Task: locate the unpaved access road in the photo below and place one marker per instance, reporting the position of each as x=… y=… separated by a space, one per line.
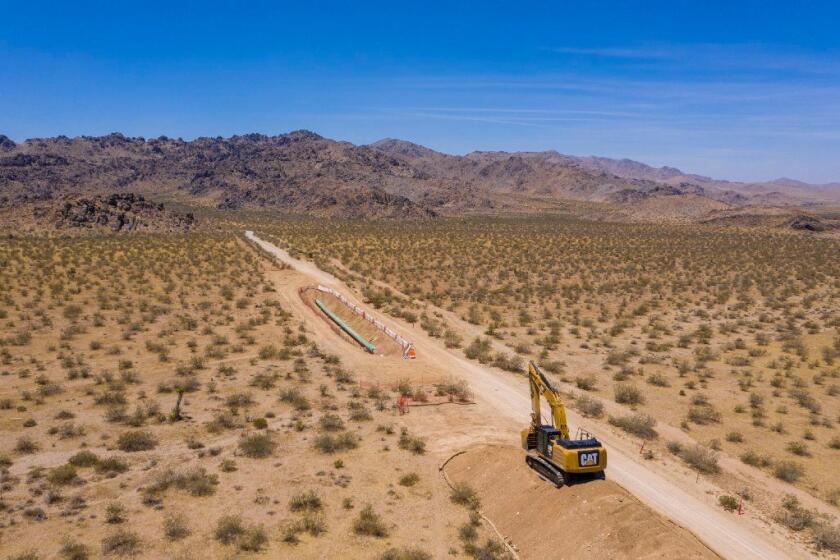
x=728 y=535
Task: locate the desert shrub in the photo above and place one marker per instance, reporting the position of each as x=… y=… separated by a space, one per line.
x=792 y=515
x=72 y=550
x=229 y=528
x=638 y=424
x=84 y=459
x=457 y=389
x=479 y=349
x=735 y=437
x=452 y=339
x=798 y=448
x=411 y=443
x=260 y=423
x=463 y=494
x=492 y=550
x=405 y=554
x=196 y=481
x=294 y=397
x=403 y=387
x=729 y=503
x=333 y=443
x=63 y=475
x=175 y=526
x=467 y=533
x=369 y=523
x=27 y=555
x=121 y=543
x=586 y=383
x=222 y=421
x=137 y=440
x=68 y=430
x=115 y=513
x=253 y=539
x=826 y=537
x=331 y=423
x=306 y=501
x=358 y=412
x=700 y=458
x=703 y=415
x=257 y=446
x=111 y=466
x=26 y=445
x=788 y=471
x=590 y=407
x=628 y=394
x=409 y=479
x=658 y=380
x=556 y=367
x=264 y=381
x=511 y=362
x=311 y=522
x=752 y=458
x=239 y=400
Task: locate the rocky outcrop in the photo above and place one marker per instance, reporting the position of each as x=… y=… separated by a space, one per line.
x=114 y=213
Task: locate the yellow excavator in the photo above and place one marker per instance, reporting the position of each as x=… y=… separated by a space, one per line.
x=550 y=451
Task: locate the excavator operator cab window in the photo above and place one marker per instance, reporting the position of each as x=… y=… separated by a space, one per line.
x=547 y=437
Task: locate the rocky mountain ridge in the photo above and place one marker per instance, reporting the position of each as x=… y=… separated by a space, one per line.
x=303 y=172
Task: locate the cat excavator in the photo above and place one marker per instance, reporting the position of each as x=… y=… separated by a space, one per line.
x=549 y=450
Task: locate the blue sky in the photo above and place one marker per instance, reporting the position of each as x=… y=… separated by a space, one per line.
x=741 y=90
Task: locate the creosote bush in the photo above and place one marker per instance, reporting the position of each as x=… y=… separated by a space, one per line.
x=369 y=523
x=638 y=424
x=121 y=543
x=463 y=494
x=333 y=443
x=405 y=554
x=257 y=446
x=787 y=470
x=409 y=479
x=628 y=394
x=137 y=440
x=306 y=501
x=589 y=406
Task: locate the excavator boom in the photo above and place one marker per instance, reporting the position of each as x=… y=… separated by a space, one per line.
x=541 y=386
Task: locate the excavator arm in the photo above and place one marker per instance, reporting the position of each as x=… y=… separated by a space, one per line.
x=541 y=386
x=548 y=449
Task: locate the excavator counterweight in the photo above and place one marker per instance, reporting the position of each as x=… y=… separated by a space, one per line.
x=550 y=450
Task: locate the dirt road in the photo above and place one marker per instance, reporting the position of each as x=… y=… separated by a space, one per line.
x=728 y=535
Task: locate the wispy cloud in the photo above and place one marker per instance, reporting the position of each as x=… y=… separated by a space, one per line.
x=644 y=53
x=720 y=57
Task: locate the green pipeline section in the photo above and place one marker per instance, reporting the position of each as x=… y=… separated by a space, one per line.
x=346 y=328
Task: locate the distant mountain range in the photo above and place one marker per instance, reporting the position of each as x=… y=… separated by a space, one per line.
x=303 y=172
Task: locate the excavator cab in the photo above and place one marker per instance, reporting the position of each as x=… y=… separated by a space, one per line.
x=550 y=449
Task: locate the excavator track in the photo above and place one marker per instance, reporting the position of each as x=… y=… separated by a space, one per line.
x=546 y=470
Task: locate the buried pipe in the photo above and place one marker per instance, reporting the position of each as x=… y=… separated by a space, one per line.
x=346 y=328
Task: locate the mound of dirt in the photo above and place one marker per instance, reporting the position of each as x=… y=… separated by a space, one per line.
x=596 y=519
